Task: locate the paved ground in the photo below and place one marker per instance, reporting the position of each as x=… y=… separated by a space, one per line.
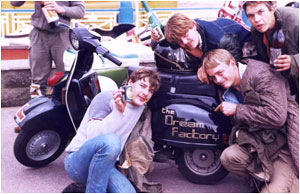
x=16 y=178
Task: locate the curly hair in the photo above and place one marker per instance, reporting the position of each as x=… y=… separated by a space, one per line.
x=140 y=74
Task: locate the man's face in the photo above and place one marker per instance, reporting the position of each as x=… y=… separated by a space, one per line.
x=141 y=91
x=261 y=18
x=223 y=75
x=190 y=40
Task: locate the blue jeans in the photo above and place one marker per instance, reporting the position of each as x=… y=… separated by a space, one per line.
x=94 y=165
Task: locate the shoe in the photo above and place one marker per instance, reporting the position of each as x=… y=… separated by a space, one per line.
x=17 y=129
x=35 y=91
x=74 y=188
x=163 y=155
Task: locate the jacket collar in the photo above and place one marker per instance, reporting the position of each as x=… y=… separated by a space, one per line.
x=203 y=38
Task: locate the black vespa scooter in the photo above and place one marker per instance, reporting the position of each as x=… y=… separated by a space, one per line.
x=48 y=122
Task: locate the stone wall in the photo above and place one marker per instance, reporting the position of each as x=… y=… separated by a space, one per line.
x=15 y=87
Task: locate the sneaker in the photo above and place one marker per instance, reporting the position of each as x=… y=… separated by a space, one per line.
x=17 y=129
x=74 y=188
x=35 y=91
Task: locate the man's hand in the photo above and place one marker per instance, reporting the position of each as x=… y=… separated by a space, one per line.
x=120 y=104
x=227 y=108
x=52 y=6
x=202 y=76
x=154 y=35
x=282 y=63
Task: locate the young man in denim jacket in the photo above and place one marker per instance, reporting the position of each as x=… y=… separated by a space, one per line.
x=199 y=36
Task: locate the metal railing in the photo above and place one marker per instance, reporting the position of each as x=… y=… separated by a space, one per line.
x=18 y=21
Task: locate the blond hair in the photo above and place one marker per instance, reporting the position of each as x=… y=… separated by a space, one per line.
x=213 y=58
x=177 y=26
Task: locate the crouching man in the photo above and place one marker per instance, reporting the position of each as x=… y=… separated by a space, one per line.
x=263 y=116
x=93 y=152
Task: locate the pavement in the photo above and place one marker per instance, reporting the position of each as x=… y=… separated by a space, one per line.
x=16 y=178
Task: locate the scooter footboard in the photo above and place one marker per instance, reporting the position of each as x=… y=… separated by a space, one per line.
x=188 y=120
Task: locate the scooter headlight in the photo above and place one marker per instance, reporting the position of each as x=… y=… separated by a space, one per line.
x=81 y=38
x=74 y=40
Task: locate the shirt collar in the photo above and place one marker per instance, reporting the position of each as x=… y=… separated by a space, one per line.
x=242 y=69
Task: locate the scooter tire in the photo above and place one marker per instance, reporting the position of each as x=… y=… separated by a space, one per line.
x=206 y=171
x=30 y=150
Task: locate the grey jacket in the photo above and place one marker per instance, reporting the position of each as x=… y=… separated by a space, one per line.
x=289 y=18
x=73 y=9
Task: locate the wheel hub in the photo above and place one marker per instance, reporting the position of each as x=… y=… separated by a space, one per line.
x=203 y=157
x=202 y=161
x=43 y=145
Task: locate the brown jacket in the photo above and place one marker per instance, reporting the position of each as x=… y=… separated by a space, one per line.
x=268 y=109
x=136 y=158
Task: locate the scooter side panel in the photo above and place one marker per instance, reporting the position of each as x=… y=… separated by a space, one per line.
x=42 y=112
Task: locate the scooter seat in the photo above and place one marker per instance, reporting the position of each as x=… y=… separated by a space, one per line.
x=186 y=83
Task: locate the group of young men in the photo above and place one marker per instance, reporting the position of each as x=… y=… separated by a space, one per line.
x=264 y=142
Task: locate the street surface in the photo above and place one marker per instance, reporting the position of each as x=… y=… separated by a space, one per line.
x=16 y=178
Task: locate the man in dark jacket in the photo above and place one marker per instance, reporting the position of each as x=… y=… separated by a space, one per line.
x=194 y=38
x=258 y=144
x=199 y=36
x=48 y=43
x=265 y=20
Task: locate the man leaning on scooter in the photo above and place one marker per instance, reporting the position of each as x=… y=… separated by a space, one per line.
x=264 y=115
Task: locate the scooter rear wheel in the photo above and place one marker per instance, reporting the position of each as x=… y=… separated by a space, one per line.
x=40 y=147
x=201 y=166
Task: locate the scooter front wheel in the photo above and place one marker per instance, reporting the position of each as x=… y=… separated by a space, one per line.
x=40 y=147
x=201 y=166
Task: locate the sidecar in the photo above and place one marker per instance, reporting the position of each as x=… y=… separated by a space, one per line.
x=184 y=119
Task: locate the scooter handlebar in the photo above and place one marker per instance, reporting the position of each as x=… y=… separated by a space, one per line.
x=105 y=53
x=112 y=59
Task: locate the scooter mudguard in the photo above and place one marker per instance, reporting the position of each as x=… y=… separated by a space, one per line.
x=42 y=112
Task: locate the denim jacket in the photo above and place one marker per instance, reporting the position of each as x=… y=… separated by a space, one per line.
x=212 y=32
